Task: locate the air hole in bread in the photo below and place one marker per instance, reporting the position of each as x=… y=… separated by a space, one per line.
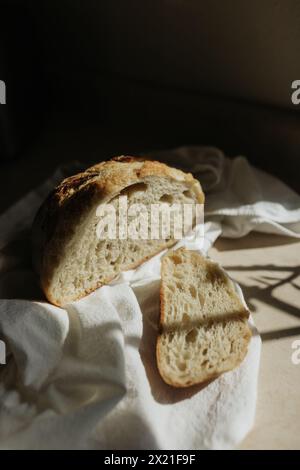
x=166 y=198
x=133 y=247
x=178 y=275
x=134 y=188
x=176 y=259
x=193 y=291
x=201 y=299
x=215 y=275
x=185 y=318
x=192 y=336
x=171 y=336
x=181 y=366
x=187 y=193
x=100 y=246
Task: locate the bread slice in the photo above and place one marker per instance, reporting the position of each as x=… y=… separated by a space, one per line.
x=69 y=257
x=203 y=323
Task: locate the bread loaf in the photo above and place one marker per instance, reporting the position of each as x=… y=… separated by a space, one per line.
x=71 y=260
x=203 y=323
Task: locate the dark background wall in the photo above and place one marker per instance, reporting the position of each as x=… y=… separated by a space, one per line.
x=235 y=48
x=150 y=74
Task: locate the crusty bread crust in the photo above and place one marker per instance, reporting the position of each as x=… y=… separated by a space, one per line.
x=72 y=198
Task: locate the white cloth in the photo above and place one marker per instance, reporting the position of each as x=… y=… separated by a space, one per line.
x=85 y=376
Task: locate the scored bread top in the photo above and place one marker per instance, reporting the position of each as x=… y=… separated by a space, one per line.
x=111 y=176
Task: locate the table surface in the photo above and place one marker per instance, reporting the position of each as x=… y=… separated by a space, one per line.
x=267 y=268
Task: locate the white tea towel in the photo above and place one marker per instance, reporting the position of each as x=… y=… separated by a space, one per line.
x=85 y=376
x=239 y=197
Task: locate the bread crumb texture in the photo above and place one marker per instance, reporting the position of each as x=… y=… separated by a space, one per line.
x=204 y=328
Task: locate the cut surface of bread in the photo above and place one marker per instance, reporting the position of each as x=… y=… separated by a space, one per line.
x=203 y=322
x=69 y=256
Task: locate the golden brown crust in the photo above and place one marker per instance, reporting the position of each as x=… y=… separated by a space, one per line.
x=60 y=213
x=114 y=175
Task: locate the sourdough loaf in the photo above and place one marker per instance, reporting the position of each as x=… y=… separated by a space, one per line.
x=69 y=257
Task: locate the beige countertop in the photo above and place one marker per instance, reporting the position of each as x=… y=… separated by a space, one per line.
x=268 y=270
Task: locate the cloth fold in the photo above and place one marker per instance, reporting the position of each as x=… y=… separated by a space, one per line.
x=85 y=376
